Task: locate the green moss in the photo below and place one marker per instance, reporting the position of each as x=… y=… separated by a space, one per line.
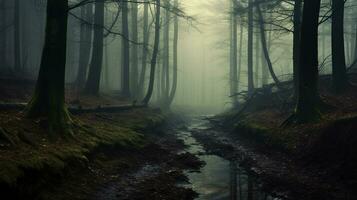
x=53 y=158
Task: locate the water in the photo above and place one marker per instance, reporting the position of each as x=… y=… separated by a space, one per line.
x=219 y=179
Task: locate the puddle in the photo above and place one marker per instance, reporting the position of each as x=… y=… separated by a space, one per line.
x=219 y=179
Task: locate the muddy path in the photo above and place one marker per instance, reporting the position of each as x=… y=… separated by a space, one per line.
x=173 y=165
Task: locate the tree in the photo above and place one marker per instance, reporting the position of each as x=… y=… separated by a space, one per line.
x=134 y=50
x=234 y=54
x=85 y=44
x=308 y=101
x=250 y=48
x=339 y=75
x=175 y=57
x=95 y=70
x=48 y=98
x=154 y=54
x=17 y=45
x=146 y=36
x=125 y=50
x=296 y=43
x=166 y=53
x=265 y=46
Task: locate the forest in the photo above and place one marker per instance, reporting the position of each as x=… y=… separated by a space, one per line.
x=178 y=99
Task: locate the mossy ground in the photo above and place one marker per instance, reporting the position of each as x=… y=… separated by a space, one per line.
x=32 y=157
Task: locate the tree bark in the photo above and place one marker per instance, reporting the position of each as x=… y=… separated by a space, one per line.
x=48 y=98
x=250 y=48
x=3 y=34
x=166 y=53
x=265 y=46
x=339 y=75
x=175 y=57
x=85 y=45
x=125 y=51
x=134 y=50
x=154 y=54
x=296 y=44
x=234 y=75
x=95 y=70
x=308 y=102
x=17 y=47
x=146 y=36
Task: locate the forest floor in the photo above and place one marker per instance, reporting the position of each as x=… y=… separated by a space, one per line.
x=115 y=155
x=307 y=161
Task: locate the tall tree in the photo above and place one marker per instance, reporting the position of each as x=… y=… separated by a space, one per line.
x=146 y=36
x=134 y=50
x=166 y=51
x=85 y=44
x=234 y=53
x=125 y=50
x=265 y=46
x=250 y=47
x=3 y=33
x=154 y=54
x=339 y=75
x=175 y=57
x=48 y=98
x=95 y=70
x=17 y=47
x=296 y=43
x=308 y=101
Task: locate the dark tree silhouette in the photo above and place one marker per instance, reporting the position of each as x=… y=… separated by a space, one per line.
x=48 y=98
x=339 y=74
x=95 y=70
x=154 y=54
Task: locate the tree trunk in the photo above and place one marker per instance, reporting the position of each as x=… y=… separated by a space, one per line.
x=175 y=60
x=235 y=54
x=296 y=44
x=154 y=54
x=308 y=102
x=93 y=81
x=166 y=53
x=125 y=51
x=240 y=56
x=339 y=75
x=17 y=47
x=3 y=34
x=48 y=98
x=265 y=46
x=146 y=36
x=250 y=48
x=85 y=45
x=134 y=50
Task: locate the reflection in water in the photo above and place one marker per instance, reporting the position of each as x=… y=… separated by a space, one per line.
x=219 y=179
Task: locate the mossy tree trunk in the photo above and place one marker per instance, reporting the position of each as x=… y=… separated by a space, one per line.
x=154 y=54
x=48 y=98
x=308 y=101
x=95 y=70
x=339 y=74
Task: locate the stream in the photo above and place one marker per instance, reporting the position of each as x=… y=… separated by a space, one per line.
x=219 y=179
